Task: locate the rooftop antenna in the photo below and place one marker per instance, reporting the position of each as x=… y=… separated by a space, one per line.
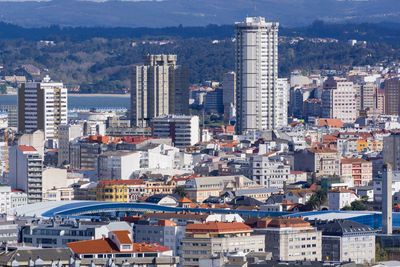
x=255 y=8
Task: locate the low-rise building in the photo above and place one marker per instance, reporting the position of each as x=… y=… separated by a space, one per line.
x=290 y=239
x=199 y=189
x=118 y=244
x=339 y=198
x=120 y=190
x=213 y=239
x=165 y=232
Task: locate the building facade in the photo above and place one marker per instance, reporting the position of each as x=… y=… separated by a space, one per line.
x=183 y=130
x=345 y=240
x=229 y=93
x=158 y=87
x=257 y=74
x=42 y=106
x=26 y=171
x=358 y=170
x=215 y=239
x=290 y=239
x=339 y=100
x=392 y=96
x=269 y=173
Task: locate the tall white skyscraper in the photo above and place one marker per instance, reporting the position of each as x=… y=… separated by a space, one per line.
x=42 y=106
x=257 y=74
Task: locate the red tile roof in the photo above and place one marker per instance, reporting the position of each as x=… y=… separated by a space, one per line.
x=217 y=227
x=27 y=148
x=123 y=237
x=121 y=182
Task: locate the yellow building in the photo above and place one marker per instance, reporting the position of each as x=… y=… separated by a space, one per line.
x=119 y=190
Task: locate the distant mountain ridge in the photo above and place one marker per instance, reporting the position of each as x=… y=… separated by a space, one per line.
x=163 y=13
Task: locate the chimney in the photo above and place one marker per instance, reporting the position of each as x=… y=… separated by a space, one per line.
x=387 y=199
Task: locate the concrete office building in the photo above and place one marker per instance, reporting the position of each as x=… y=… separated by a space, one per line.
x=66 y=133
x=213 y=102
x=216 y=239
x=345 y=240
x=158 y=87
x=42 y=105
x=25 y=165
x=392 y=96
x=339 y=100
x=183 y=130
x=257 y=74
x=229 y=93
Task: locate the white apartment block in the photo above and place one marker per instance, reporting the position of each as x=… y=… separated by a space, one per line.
x=183 y=130
x=339 y=100
x=269 y=173
x=117 y=165
x=42 y=105
x=25 y=164
x=282 y=94
x=340 y=198
x=257 y=74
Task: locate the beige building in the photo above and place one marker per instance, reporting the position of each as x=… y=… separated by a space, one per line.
x=392 y=96
x=359 y=171
x=339 y=100
x=214 y=239
x=321 y=160
x=42 y=106
x=199 y=189
x=290 y=239
x=158 y=87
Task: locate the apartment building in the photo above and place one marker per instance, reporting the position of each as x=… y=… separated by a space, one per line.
x=339 y=100
x=392 y=96
x=321 y=160
x=117 y=165
x=25 y=164
x=269 y=173
x=290 y=239
x=228 y=93
x=183 y=130
x=120 y=190
x=158 y=87
x=66 y=133
x=358 y=171
x=164 y=232
x=391 y=150
x=215 y=239
x=339 y=198
x=42 y=106
x=345 y=240
x=257 y=74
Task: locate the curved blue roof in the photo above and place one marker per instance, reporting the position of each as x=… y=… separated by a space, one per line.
x=81 y=208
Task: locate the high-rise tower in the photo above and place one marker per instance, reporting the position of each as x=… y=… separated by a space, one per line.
x=257 y=74
x=158 y=87
x=42 y=106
